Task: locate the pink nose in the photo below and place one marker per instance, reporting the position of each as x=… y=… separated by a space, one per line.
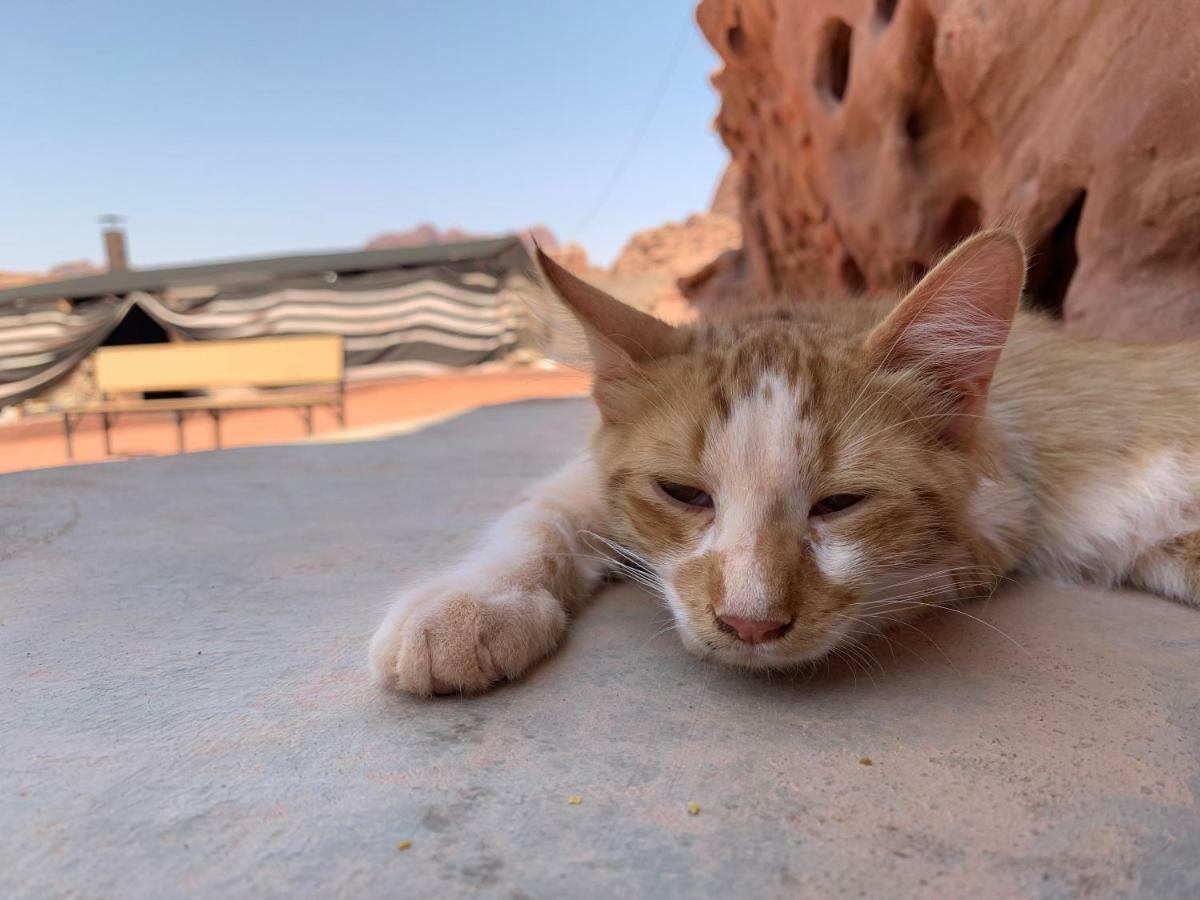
x=754 y=631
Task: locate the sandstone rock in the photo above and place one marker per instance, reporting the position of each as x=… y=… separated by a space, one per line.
x=678 y=248
x=542 y=236
x=574 y=257
x=425 y=233
x=721 y=283
x=870 y=136
x=73 y=268
x=16 y=279
x=656 y=264
x=420 y=235
x=726 y=199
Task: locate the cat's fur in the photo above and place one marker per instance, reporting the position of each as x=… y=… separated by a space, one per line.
x=1057 y=456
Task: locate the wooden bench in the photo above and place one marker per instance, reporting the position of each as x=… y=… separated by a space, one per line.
x=270 y=364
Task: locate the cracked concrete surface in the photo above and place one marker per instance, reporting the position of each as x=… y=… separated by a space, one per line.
x=186 y=712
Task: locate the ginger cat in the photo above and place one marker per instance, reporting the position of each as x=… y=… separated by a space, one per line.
x=794 y=479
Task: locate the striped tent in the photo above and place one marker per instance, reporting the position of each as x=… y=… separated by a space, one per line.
x=405 y=311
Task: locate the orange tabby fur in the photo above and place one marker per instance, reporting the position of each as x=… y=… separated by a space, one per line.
x=977 y=453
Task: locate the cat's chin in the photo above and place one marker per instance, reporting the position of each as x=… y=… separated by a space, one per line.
x=761 y=657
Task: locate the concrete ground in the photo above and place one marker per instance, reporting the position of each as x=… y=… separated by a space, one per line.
x=185 y=712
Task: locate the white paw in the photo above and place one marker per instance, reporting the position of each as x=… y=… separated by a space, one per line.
x=438 y=640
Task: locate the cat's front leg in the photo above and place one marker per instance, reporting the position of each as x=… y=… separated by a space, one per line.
x=504 y=607
x=1172 y=570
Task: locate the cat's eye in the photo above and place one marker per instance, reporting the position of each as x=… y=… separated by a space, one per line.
x=834 y=504
x=686 y=494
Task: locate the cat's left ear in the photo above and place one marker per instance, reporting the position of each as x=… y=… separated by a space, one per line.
x=953 y=325
x=619 y=336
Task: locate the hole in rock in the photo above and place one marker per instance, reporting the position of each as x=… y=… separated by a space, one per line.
x=852 y=276
x=911 y=272
x=736 y=39
x=1053 y=262
x=914 y=125
x=962 y=221
x=833 y=61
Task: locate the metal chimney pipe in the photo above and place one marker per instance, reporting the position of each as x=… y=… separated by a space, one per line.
x=115 y=250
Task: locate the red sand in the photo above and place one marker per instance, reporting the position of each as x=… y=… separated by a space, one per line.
x=37 y=442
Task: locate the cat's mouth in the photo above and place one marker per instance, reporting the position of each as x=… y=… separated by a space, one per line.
x=791 y=649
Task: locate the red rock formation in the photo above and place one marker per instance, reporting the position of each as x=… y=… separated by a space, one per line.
x=654 y=263
x=574 y=257
x=426 y=233
x=73 y=268
x=726 y=199
x=418 y=236
x=16 y=279
x=870 y=136
x=678 y=248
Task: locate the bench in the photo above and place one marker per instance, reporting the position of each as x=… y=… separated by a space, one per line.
x=315 y=362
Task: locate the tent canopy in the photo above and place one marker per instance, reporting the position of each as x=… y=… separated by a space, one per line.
x=400 y=311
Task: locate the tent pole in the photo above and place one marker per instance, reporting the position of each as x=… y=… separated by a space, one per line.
x=216 y=417
x=67 y=434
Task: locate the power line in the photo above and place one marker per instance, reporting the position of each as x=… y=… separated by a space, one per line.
x=639 y=133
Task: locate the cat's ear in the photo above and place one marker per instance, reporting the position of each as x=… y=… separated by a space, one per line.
x=619 y=336
x=953 y=324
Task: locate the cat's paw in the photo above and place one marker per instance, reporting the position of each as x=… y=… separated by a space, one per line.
x=439 y=640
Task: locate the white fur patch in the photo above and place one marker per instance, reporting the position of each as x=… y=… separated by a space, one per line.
x=1163 y=574
x=1100 y=526
x=755 y=455
x=757 y=446
x=431 y=639
x=999 y=509
x=838 y=560
x=564 y=500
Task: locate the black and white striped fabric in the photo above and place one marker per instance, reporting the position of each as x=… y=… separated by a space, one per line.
x=42 y=341
x=395 y=321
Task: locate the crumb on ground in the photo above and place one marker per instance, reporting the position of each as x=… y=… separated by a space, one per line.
x=574 y=799
x=865 y=761
x=693 y=808
x=403 y=845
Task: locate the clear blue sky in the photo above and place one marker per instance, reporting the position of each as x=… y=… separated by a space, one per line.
x=240 y=128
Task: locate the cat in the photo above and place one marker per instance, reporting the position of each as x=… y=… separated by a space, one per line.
x=794 y=479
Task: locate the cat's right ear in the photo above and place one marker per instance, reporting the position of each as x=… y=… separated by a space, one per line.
x=619 y=337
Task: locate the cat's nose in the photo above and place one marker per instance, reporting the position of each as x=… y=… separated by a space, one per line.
x=755 y=631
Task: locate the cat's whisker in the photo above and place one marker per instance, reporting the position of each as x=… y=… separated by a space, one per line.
x=950 y=593
x=876 y=630
x=920 y=631
x=937 y=588
x=640 y=571
x=669 y=626
x=619 y=548
x=869 y=658
x=840 y=654
x=937 y=573
x=960 y=612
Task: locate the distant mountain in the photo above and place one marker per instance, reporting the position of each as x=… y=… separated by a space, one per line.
x=426 y=233
x=16 y=279
x=73 y=269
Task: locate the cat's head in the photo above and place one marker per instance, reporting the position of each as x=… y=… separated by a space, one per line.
x=793 y=477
